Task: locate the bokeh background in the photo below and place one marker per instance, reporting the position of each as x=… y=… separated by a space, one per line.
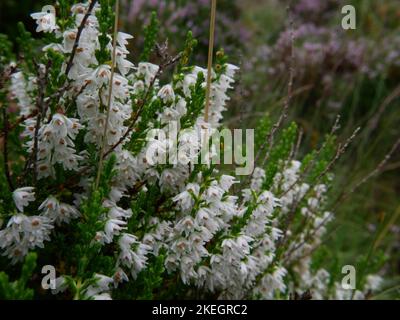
x=353 y=73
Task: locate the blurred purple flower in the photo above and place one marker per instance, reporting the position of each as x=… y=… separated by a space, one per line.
x=178 y=17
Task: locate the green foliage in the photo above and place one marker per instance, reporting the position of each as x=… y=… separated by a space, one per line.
x=6 y=51
x=316 y=162
x=279 y=153
x=18 y=290
x=195 y=103
x=106 y=22
x=26 y=46
x=148 y=282
x=190 y=45
x=150 y=37
x=138 y=138
x=263 y=128
x=87 y=249
x=64 y=17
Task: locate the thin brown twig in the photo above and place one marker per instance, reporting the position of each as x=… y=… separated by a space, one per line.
x=5 y=150
x=210 y=58
x=295 y=150
x=5 y=77
x=341 y=198
x=288 y=222
x=391 y=167
x=136 y=116
x=308 y=167
x=114 y=52
x=341 y=149
x=242 y=116
x=308 y=236
x=170 y=61
x=316 y=247
x=19 y=121
x=378 y=169
x=42 y=83
x=142 y=102
x=339 y=152
x=380 y=166
x=78 y=36
x=373 y=122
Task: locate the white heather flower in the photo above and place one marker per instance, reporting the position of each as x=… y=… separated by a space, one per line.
x=188 y=82
x=58 y=212
x=257 y=179
x=116 y=194
x=166 y=93
x=172 y=179
x=168 y=115
x=213 y=193
x=112 y=228
x=123 y=64
x=128 y=169
x=138 y=87
x=148 y=70
x=61 y=285
x=49 y=205
x=24 y=233
x=206 y=218
x=157 y=150
x=46 y=19
x=101 y=75
x=186 y=226
x=120 y=276
x=98 y=291
x=118 y=213
x=23 y=196
x=188 y=147
x=272 y=282
x=122 y=38
x=186 y=199
x=56 y=145
x=373 y=282
x=80 y=9
x=231 y=70
x=102 y=296
x=19 y=90
x=180 y=106
x=226 y=182
x=69 y=39
x=133 y=253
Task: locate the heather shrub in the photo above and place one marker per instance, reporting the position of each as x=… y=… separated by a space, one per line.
x=86 y=188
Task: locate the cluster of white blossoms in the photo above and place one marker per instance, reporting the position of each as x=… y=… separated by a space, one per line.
x=24 y=233
x=22 y=91
x=217 y=239
x=58 y=212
